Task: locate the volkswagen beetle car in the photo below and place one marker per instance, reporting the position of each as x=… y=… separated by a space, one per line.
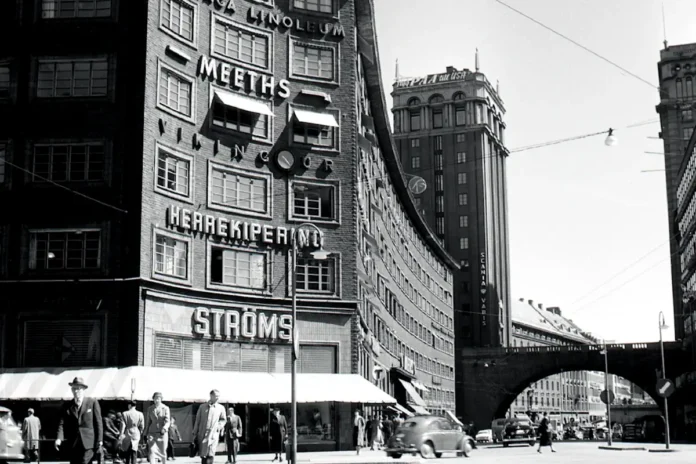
x=11 y=443
x=430 y=436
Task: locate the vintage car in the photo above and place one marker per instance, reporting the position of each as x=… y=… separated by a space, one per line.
x=519 y=430
x=430 y=436
x=484 y=436
x=11 y=443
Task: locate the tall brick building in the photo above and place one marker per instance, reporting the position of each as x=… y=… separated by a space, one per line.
x=158 y=158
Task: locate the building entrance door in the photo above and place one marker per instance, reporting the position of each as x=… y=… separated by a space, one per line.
x=258 y=418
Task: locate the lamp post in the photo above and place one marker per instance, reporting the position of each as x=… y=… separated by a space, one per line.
x=319 y=254
x=663 y=325
x=606 y=389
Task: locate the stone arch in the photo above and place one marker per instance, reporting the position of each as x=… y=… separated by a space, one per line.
x=415 y=101
x=436 y=99
x=458 y=96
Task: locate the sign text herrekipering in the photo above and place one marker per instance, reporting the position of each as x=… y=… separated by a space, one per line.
x=484 y=290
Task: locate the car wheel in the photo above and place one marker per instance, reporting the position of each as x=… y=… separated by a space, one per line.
x=438 y=455
x=426 y=450
x=505 y=445
x=466 y=448
x=395 y=455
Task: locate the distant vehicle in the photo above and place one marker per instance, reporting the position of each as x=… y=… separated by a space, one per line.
x=430 y=436
x=484 y=436
x=519 y=430
x=11 y=443
x=649 y=428
x=573 y=434
x=498 y=429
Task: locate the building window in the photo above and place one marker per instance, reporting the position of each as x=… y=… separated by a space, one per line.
x=314 y=202
x=314 y=131
x=439 y=162
x=173 y=172
x=440 y=226
x=438 y=142
x=179 y=18
x=239 y=120
x=439 y=183
x=236 y=190
x=680 y=88
x=686 y=132
x=439 y=204
x=171 y=256
x=463 y=199
x=687 y=115
x=78 y=162
x=175 y=92
x=415 y=121
x=415 y=143
x=313 y=61
x=437 y=119
x=243 y=45
x=236 y=268
x=51 y=9
x=461 y=138
x=315 y=275
x=3 y=157
x=463 y=221
x=461 y=157
x=417 y=202
x=72 y=78
x=415 y=162
x=461 y=178
x=460 y=116
x=64 y=249
x=320 y=6
x=689 y=88
x=4 y=81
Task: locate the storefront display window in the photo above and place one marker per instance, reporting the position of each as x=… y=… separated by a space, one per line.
x=316 y=422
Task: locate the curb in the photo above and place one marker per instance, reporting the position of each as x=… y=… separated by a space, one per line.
x=619 y=448
x=662 y=450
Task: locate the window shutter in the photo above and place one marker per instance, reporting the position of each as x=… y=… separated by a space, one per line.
x=318 y=359
x=169 y=352
x=227 y=356
x=254 y=358
x=280 y=359
x=69 y=343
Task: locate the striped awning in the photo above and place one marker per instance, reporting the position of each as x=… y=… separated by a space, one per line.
x=188 y=385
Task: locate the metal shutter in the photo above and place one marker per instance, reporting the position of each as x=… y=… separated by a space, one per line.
x=280 y=359
x=254 y=358
x=318 y=359
x=227 y=356
x=169 y=352
x=66 y=343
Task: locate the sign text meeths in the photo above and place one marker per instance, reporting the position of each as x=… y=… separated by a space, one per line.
x=244 y=323
x=242 y=79
x=241 y=231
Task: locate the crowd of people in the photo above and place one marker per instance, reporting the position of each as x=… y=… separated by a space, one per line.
x=374 y=431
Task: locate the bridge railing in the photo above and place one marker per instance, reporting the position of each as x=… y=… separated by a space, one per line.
x=483 y=352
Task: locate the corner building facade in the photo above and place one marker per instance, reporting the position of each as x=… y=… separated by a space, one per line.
x=213 y=134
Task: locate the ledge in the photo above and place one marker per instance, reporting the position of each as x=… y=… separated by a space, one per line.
x=622 y=448
x=662 y=450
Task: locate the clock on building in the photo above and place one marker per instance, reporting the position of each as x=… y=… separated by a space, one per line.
x=285 y=160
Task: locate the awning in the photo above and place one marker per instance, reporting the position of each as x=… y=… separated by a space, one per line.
x=243 y=103
x=453 y=418
x=415 y=397
x=188 y=385
x=318 y=119
x=420 y=386
x=420 y=409
x=401 y=410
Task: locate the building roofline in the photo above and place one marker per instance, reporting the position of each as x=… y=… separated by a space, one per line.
x=367 y=32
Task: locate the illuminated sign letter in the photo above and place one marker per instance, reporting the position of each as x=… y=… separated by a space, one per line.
x=217 y=322
x=268 y=326
x=249 y=324
x=232 y=324
x=285 y=327
x=201 y=325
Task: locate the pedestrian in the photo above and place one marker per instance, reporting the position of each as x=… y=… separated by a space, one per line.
x=375 y=432
x=80 y=425
x=157 y=429
x=278 y=429
x=31 y=431
x=209 y=423
x=387 y=427
x=545 y=434
x=233 y=432
x=174 y=434
x=358 y=431
x=132 y=428
x=112 y=432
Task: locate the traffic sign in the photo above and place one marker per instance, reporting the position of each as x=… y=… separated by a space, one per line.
x=603 y=396
x=665 y=388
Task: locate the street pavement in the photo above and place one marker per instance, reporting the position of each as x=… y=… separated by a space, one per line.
x=566 y=453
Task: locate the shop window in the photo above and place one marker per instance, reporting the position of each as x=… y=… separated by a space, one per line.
x=415 y=162
x=237 y=268
x=178 y=18
x=461 y=178
x=63 y=9
x=5 y=81
x=312 y=61
x=61 y=249
x=69 y=162
x=237 y=190
x=463 y=199
x=45 y=343
x=242 y=44
x=318 y=359
x=314 y=202
x=175 y=93
x=316 y=276
x=171 y=256
x=320 y=6
x=316 y=129
x=72 y=78
x=173 y=173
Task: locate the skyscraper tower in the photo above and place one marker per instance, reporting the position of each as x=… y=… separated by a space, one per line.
x=677 y=72
x=449 y=130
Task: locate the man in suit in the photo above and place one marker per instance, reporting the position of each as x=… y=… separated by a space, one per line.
x=233 y=431
x=210 y=421
x=31 y=430
x=80 y=425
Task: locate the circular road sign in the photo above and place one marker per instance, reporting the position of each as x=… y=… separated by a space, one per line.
x=665 y=387
x=417 y=185
x=603 y=396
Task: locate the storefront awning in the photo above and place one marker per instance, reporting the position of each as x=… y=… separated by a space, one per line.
x=401 y=410
x=188 y=386
x=411 y=390
x=317 y=119
x=453 y=418
x=420 y=409
x=243 y=103
x=420 y=386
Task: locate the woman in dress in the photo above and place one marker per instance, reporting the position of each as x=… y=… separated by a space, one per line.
x=157 y=429
x=358 y=431
x=545 y=434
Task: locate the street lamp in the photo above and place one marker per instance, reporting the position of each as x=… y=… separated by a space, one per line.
x=319 y=254
x=611 y=139
x=663 y=325
x=605 y=352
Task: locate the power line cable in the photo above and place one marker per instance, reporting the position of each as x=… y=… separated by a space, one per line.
x=577 y=44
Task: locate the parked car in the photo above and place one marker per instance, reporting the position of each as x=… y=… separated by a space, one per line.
x=498 y=429
x=572 y=433
x=519 y=430
x=484 y=436
x=430 y=436
x=650 y=428
x=11 y=443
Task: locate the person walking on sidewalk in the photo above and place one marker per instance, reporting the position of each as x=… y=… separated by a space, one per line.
x=31 y=429
x=278 y=430
x=132 y=428
x=358 y=431
x=174 y=434
x=545 y=434
x=233 y=432
x=80 y=424
x=157 y=429
x=209 y=423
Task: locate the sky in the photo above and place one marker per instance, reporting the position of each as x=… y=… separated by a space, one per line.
x=588 y=229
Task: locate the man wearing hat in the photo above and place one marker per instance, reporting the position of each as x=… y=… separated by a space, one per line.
x=80 y=425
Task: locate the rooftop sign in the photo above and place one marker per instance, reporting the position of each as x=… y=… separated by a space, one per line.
x=433 y=79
